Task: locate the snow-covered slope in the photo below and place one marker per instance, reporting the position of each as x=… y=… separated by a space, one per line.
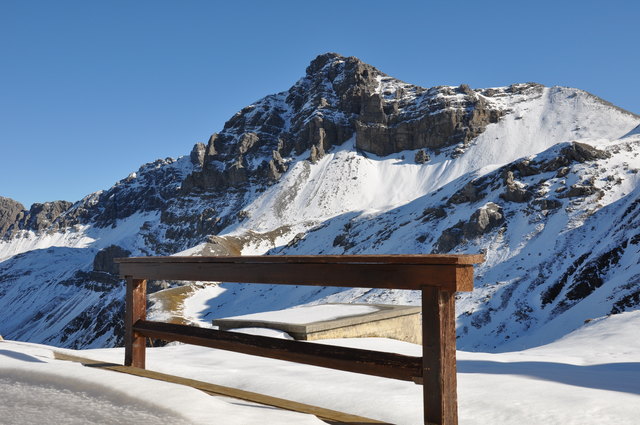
x=571 y=381
x=543 y=180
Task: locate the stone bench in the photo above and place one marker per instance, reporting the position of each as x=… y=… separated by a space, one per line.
x=336 y=321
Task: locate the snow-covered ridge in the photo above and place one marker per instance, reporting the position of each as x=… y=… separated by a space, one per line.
x=546 y=187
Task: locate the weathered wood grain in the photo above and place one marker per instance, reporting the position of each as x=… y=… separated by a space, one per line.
x=364 y=275
x=439 y=357
x=135 y=310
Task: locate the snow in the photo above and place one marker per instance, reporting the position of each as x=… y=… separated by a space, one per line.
x=22 y=396
x=308 y=314
x=80 y=236
x=195 y=307
x=347 y=181
x=76 y=394
x=589 y=377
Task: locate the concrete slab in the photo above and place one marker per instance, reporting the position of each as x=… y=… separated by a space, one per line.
x=377 y=320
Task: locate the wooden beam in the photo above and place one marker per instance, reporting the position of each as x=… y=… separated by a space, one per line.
x=388 y=365
x=332 y=416
x=439 y=357
x=436 y=259
x=363 y=275
x=135 y=310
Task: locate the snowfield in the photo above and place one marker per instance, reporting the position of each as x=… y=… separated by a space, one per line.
x=572 y=381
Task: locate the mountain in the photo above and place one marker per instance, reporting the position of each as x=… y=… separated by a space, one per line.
x=543 y=180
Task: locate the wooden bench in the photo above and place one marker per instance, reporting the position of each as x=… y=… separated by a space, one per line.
x=438 y=277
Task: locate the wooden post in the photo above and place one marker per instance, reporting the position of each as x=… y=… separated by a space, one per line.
x=439 y=357
x=135 y=309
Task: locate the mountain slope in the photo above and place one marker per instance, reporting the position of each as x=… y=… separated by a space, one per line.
x=349 y=160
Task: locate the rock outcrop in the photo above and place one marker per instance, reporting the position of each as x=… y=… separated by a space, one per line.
x=103 y=261
x=514 y=192
x=481 y=222
x=10 y=213
x=337 y=98
x=41 y=216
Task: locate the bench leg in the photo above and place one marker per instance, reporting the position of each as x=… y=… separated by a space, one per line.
x=439 y=357
x=135 y=309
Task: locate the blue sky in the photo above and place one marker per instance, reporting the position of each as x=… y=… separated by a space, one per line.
x=89 y=90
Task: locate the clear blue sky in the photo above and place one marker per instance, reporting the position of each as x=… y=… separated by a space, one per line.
x=90 y=90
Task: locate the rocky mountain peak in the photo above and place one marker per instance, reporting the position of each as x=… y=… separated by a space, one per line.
x=322 y=60
x=347 y=77
x=338 y=97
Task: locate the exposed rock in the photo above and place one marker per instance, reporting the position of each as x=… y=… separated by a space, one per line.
x=581 y=152
x=563 y=172
x=315 y=155
x=277 y=166
x=449 y=239
x=590 y=277
x=554 y=290
x=441 y=122
x=465 y=89
x=481 y=222
x=211 y=146
x=97 y=281
x=296 y=239
x=247 y=141
x=204 y=223
x=547 y=204
x=47 y=216
x=526 y=168
x=573 y=152
x=628 y=302
x=94 y=323
x=578 y=190
x=103 y=261
x=10 y=214
x=421 y=157
x=513 y=191
x=433 y=213
x=197 y=154
x=338 y=97
x=469 y=193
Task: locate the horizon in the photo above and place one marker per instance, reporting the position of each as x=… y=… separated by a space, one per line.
x=96 y=90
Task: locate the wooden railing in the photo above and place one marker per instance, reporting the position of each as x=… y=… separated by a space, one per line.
x=438 y=277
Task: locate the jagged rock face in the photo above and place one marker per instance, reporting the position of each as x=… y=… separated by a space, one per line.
x=14 y=217
x=197 y=154
x=435 y=119
x=514 y=192
x=338 y=97
x=42 y=216
x=103 y=261
x=10 y=213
